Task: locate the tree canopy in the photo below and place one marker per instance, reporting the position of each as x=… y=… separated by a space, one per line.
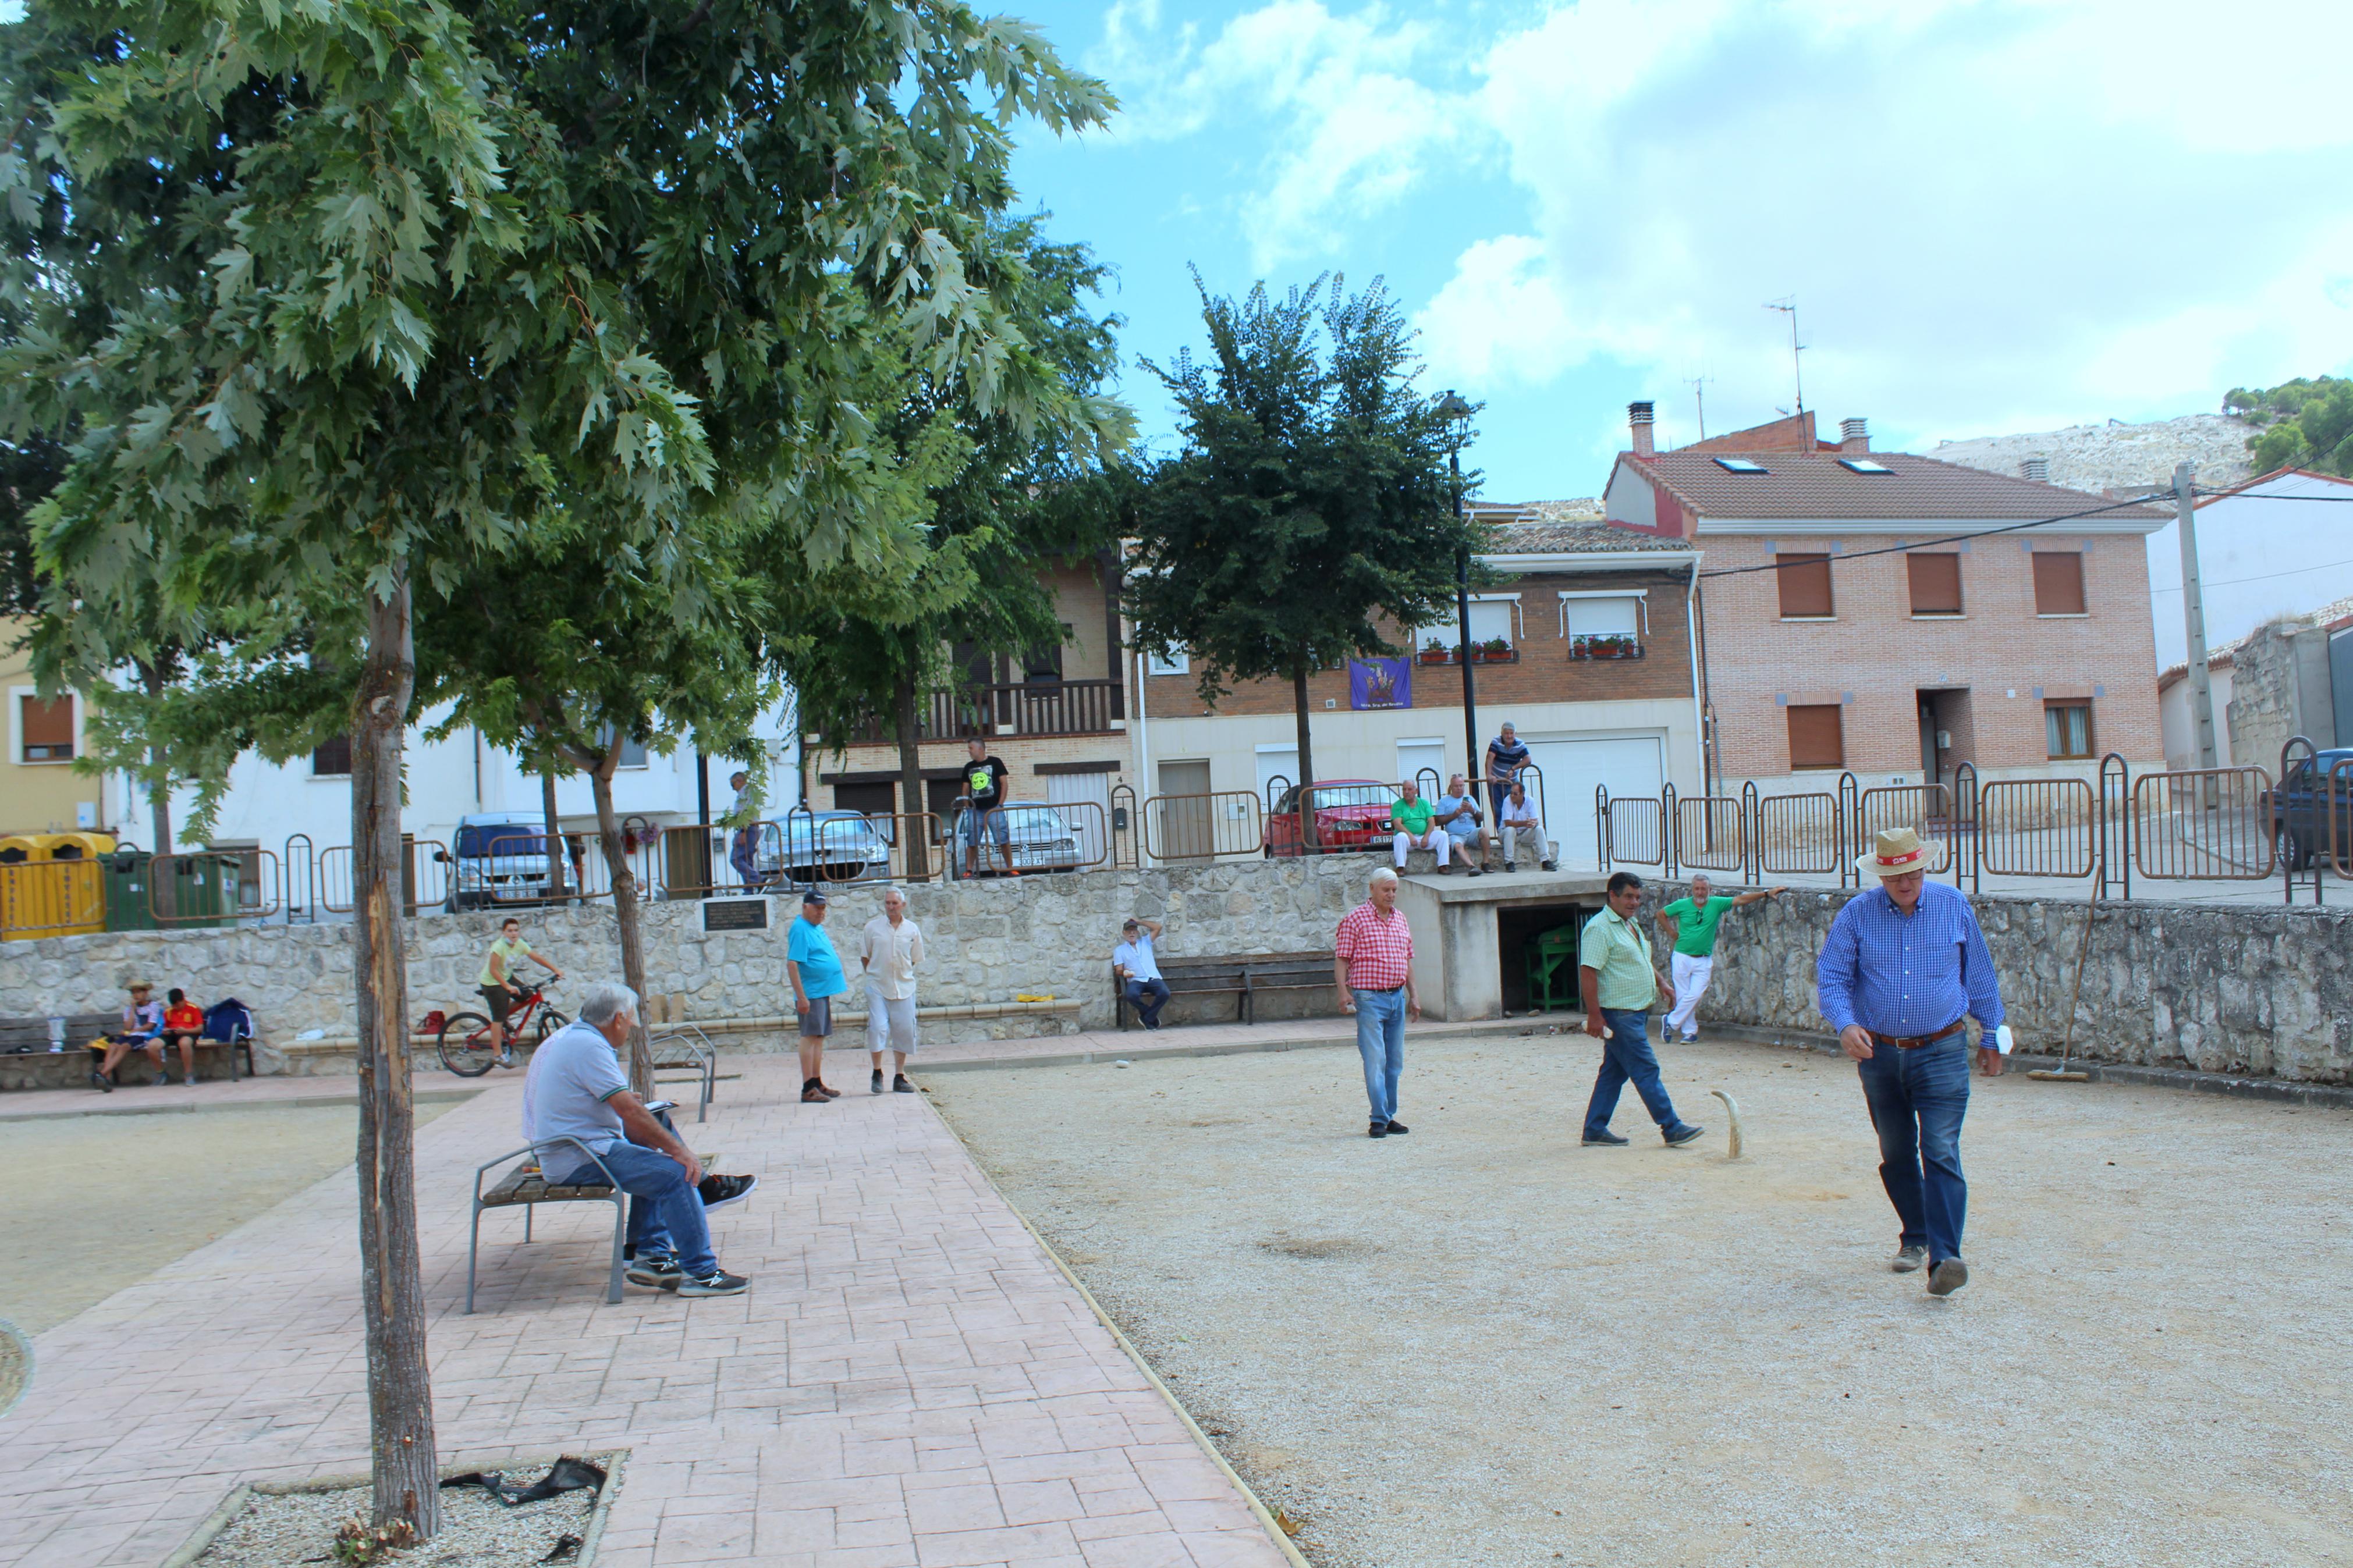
x=1309 y=511
x=2308 y=424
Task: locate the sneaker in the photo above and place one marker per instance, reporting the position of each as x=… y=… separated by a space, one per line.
x=718 y=1282
x=162 y=1078
x=718 y=1192
x=1909 y=1259
x=100 y=1082
x=899 y=1084
x=1682 y=1135
x=874 y=1085
x=831 y=1093
x=1947 y=1277
x=1692 y=1038
x=190 y=1080
x=506 y=1059
x=1511 y=865
x=1550 y=867
x=655 y=1273
x=1476 y=872
x=1378 y=1130
x=1398 y=1129
x=813 y=1093
x=1605 y=1139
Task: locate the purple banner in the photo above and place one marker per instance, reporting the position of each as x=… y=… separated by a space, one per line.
x=1381 y=683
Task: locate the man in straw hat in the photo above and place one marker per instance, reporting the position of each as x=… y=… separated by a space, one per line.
x=1905 y=963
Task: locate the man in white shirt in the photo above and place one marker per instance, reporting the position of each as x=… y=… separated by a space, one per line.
x=576 y=1092
x=1522 y=830
x=1138 y=971
x=893 y=945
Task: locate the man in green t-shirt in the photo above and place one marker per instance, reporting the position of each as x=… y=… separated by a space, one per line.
x=1690 y=926
x=1414 y=819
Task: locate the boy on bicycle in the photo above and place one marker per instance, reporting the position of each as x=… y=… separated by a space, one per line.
x=500 y=988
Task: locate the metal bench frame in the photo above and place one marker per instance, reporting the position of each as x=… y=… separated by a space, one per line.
x=696 y=1052
x=580 y=1194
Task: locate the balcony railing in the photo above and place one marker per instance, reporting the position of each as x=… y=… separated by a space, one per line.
x=1022 y=707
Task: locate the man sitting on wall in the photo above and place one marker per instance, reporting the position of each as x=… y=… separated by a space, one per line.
x=1458 y=813
x=1522 y=832
x=1415 y=827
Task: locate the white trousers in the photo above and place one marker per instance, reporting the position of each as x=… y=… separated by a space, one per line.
x=890 y=1026
x=1435 y=839
x=1532 y=838
x=1690 y=976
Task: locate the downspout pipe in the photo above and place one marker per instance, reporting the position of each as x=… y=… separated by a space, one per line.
x=1699 y=678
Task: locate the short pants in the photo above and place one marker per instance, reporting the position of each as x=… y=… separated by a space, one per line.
x=501 y=1002
x=818 y=1022
x=890 y=1026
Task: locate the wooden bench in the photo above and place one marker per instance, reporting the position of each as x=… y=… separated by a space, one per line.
x=1244 y=976
x=24 y=1038
x=526 y=1187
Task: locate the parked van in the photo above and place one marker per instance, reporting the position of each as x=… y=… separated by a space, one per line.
x=500 y=859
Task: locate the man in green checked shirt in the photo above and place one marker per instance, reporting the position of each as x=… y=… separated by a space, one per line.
x=1620 y=979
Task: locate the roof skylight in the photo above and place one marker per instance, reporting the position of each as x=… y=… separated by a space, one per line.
x=1863 y=466
x=1741 y=466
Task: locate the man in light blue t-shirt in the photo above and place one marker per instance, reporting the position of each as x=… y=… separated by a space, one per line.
x=576 y=1091
x=1458 y=813
x=815 y=972
x=1133 y=965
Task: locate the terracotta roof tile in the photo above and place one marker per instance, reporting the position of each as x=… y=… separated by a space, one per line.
x=1815 y=485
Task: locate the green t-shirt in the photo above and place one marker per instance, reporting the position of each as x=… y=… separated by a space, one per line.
x=509 y=950
x=1412 y=816
x=1620 y=955
x=1695 y=926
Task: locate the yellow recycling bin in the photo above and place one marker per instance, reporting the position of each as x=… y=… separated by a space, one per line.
x=51 y=885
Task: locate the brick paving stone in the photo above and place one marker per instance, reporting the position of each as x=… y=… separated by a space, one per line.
x=909 y=1380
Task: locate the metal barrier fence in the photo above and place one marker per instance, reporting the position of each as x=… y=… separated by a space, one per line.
x=1795 y=835
x=212 y=887
x=1711 y=832
x=2036 y=827
x=1926 y=809
x=1631 y=829
x=1219 y=825
x=2210 y=825
x=1032 y=837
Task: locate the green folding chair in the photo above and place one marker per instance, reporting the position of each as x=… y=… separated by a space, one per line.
x=1551 y=959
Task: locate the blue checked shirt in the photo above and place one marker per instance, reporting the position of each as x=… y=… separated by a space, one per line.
x=1907 y=975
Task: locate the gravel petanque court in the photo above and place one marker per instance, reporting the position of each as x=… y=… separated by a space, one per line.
x=1482 y=1343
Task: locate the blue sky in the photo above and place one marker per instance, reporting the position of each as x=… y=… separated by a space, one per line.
x=1995 y=215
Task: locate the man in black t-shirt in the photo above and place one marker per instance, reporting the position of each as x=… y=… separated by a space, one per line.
x=1505 y=757
x=983 y=783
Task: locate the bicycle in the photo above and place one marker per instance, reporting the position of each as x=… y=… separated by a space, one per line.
x=465 y=1039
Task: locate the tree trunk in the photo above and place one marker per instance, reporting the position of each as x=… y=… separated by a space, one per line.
x=1306 y=756
x=625 y=913
x=552 y=827
x=392 y=1290
x=163 y=887
x=915 y=858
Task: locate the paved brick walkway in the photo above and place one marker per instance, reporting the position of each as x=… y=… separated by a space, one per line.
x=910 y=1381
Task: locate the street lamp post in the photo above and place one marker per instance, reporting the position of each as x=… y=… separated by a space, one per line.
x=1456 y=413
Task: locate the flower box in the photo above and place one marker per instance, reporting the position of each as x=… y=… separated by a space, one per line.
x=1604 y=647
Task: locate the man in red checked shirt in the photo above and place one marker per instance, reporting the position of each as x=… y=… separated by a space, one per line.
x=1372 y=966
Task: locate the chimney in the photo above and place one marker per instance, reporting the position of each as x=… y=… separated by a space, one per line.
x=1638 y=415
x=1854 y=435
x=2035 y=468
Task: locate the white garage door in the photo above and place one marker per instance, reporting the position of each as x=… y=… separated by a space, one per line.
x=1629 y=765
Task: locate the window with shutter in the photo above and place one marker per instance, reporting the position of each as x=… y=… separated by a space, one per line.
x=1935 y=584
x=1805 y=586
x=45 y=730
x=2058 y=582
x=333 y=760
x=1816 y=739
x=1492 y=618
x=1603 y=626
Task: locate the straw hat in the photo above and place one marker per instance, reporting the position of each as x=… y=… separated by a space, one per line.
x=1894 y=852
x=139 y=985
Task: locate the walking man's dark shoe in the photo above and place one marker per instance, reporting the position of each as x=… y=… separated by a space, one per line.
x=1909 y=1259
x=875 y=1086
x=1947 y=1277
x=1378 y=1130
x=1680 y=1136
x=1605 y=1139
x=899 y=1084
x=1398 y=1129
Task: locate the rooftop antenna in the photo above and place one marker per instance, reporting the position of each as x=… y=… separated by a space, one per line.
x=1788 y=303
x=1698 y=383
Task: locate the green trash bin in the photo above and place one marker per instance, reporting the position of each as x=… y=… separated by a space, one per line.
x=205 y=888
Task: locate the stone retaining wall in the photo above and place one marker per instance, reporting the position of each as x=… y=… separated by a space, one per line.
x=989 y=941
x=2224 y=990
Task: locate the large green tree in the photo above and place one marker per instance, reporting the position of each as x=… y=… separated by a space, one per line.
x=2307 y=423
x=332 y=300
x=1309 y=506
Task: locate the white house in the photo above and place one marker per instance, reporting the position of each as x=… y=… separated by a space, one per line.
x=2279 y=544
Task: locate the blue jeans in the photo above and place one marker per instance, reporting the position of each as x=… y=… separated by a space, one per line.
x=1147 y=997
x=1918 y=1098
x=1380 y=1041
x=1626 y=1058
x=666 y=1218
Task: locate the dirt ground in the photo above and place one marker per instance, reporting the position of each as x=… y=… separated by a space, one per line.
x=1482 y=1343
x=97 y=1203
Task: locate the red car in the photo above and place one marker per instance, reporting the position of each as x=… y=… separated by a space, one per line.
x=1350 y=814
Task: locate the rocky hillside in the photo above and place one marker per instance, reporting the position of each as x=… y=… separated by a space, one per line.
x=2114 y=456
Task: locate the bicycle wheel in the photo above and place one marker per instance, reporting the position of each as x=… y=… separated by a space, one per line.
x=465 y=1045
x=550 y=1020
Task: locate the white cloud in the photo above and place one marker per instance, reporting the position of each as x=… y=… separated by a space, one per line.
x=1992 y=215
x=1350 y=129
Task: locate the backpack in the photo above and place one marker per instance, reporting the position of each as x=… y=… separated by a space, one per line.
x=228 y=1021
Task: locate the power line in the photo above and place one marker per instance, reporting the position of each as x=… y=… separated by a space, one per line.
x=2261 y=576
x=1955 y=538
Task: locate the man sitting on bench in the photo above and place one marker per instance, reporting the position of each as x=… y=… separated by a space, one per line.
x=1138 y=971
x=576 y=1088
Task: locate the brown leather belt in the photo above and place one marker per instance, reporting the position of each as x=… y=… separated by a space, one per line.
x=1915 y=1042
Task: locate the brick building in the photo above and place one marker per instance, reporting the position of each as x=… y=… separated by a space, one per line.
x=1884 y=612
x=1584 y=645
